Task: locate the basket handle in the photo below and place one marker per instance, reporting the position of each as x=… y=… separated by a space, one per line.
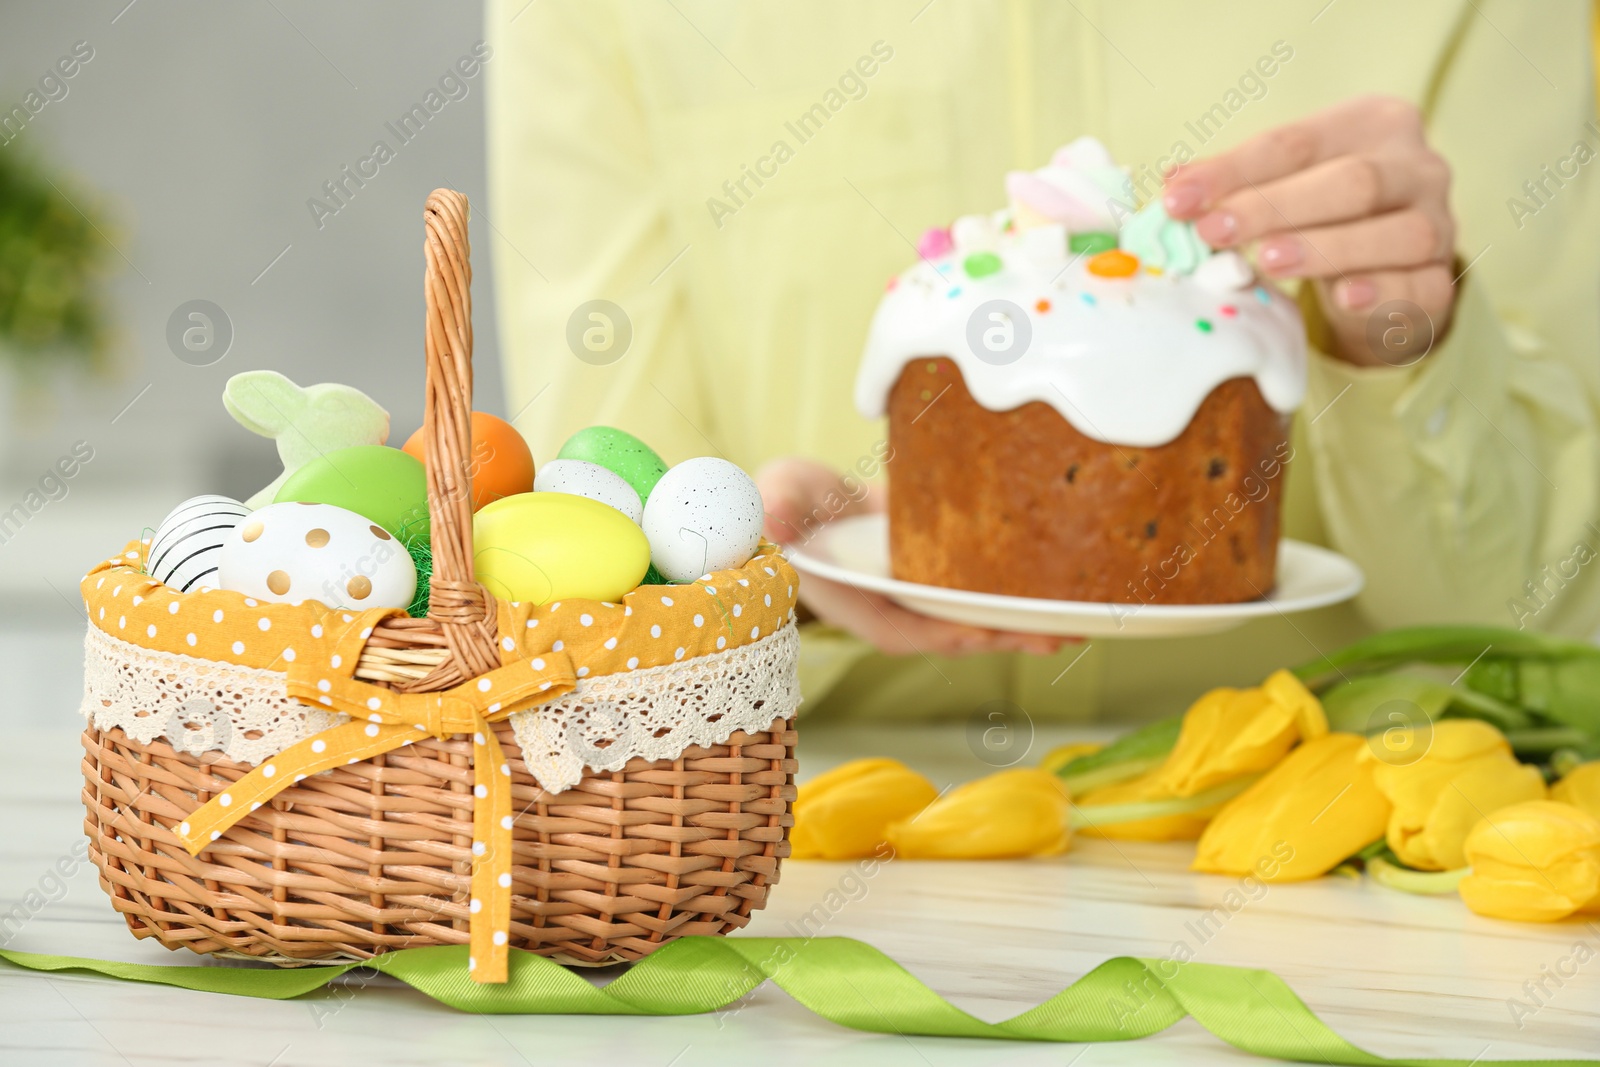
x=464 y=610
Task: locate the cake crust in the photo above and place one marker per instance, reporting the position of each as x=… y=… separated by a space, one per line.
x=1021 y=503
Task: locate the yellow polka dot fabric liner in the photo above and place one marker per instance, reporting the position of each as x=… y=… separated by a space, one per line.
x=653 y=626
x=545 y=650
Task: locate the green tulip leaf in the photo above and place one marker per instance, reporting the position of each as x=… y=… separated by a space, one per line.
x=1573 y=697
x=1494 y=676
x=1127 y=757
x=1440 y=644
x=1383 y=701
x=1380 y=701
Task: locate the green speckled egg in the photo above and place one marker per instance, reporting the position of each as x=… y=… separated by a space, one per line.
x=618 y=452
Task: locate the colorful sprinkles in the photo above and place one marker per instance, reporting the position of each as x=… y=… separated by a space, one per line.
x=981 y=264
x=1091 y=243
x=935 y=242
x=1114 y=264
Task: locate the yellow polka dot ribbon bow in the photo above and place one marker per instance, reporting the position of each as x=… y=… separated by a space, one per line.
x=383 y=720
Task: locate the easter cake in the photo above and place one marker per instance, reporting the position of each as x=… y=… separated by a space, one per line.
x=1084 y=401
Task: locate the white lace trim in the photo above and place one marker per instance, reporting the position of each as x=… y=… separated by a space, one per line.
x=197 y=705
x=657 y=712
x=201 y=706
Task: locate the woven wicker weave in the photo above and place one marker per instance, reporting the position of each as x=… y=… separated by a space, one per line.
x=377 y=855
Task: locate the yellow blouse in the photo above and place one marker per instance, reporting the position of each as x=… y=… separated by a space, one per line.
x=740 y=179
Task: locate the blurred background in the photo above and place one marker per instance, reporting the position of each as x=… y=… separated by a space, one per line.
x=169 y=169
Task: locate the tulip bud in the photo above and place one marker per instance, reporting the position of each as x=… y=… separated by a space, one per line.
x=1538 y=861
x=1580 y=788
x=843 y=813
x=1466 y=773
x=1229 y=733
x=1305 y=816
x=1019 y=812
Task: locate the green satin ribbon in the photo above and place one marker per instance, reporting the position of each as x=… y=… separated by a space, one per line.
x=842 y=980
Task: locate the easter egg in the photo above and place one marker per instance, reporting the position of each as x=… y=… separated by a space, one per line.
x=618 y=452
x=591 y=480
x=540 y=547
x=384 y=484
x=704 y=515
x=290 y=552
x=184 y=551
x=501 y=464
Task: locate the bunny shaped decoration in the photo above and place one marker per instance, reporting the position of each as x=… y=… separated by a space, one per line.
x=306 y=421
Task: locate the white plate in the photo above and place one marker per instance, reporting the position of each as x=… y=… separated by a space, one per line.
x=855 y=551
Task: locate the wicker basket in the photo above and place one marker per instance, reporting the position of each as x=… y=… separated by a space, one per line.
x=378 y=854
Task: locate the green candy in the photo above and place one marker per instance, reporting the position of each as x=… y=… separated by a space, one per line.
x=620 y=453
x=1091 y=243
x=981 y=264
x=385 y=485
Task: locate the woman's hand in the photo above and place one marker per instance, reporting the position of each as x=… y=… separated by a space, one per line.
x=800 y=495
x=1351 y=197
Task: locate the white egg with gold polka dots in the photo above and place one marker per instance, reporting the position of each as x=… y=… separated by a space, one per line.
x=292 y=552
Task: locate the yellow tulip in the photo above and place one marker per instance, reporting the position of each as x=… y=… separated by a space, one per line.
x=1229 y=733
x=1226 y=735
x=1062 y=755
x=1019 y=812
x=843 y=813
x=1300 y=820
x=1580 y=788
x=1538 y=861
x=1466 y=773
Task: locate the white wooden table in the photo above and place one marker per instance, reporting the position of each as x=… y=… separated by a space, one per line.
x=1396 y=974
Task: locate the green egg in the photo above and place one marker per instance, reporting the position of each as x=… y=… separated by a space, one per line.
x=386 y=485
x=620 y=453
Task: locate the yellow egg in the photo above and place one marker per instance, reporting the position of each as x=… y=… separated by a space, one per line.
x=540 y=547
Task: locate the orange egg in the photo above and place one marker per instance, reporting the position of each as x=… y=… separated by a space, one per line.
x=501 y=463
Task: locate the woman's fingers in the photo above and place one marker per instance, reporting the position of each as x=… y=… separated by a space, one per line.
x=1413 y=237
x=1346 y=128
x=1389 y=317
x=1336 y=190
x=801 y=495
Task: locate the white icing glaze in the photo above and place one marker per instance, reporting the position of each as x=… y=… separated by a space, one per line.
x=1122 y=359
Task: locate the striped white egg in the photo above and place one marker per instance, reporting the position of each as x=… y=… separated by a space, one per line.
x=704 y=515
x=581 y=478
x=186 y=548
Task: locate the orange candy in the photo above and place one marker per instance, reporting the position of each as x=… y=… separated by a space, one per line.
x=1114 y=264
x=501 y=463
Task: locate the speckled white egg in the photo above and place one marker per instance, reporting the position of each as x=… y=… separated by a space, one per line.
x=591 y=480
x=704 y=515
x=290 y=552
x=188 y=543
